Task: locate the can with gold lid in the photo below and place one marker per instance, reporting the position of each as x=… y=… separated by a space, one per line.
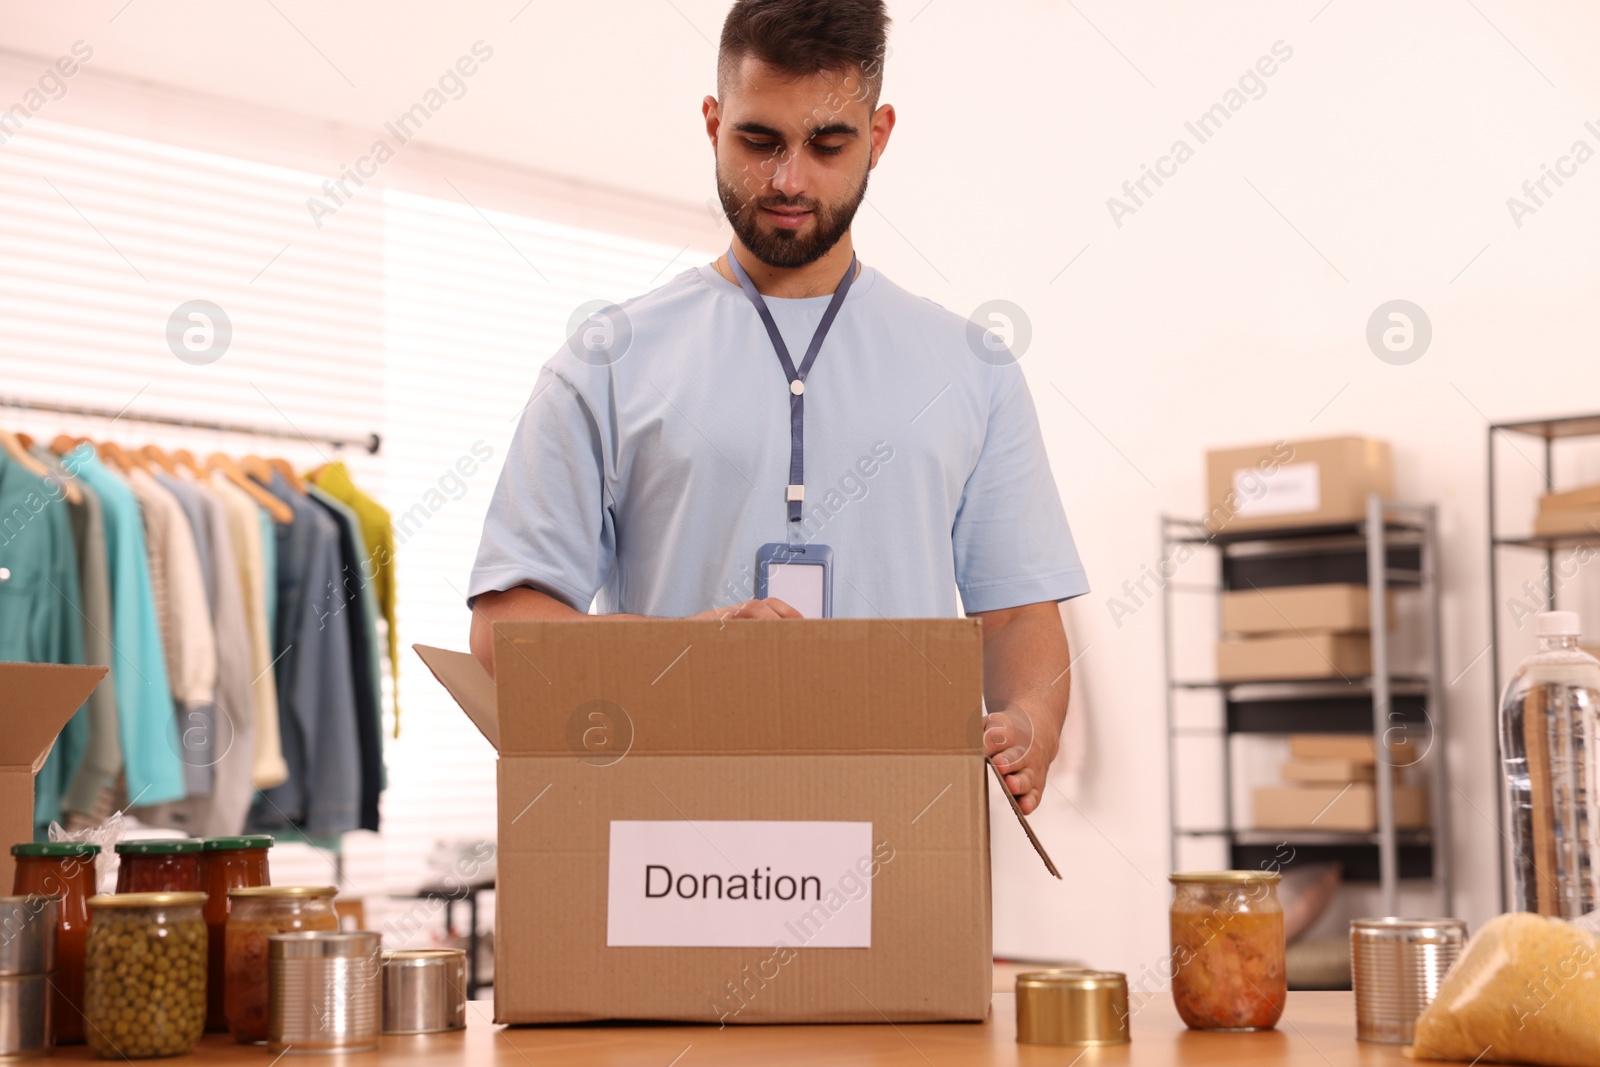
x=1069 y=1006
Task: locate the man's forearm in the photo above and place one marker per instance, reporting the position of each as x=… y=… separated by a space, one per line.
x=519 y=605
x=1025 y=660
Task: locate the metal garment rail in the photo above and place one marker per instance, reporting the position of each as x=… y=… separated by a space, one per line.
x=370 y=443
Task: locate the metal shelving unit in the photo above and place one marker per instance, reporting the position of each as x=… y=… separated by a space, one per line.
x=1548 y=432
x=1395 y=547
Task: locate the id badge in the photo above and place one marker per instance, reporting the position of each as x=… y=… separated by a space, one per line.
x=799 y=575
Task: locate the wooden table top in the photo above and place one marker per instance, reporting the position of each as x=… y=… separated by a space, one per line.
x=1317 y=1030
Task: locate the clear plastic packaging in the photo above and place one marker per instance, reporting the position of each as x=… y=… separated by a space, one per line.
x=1548 y=719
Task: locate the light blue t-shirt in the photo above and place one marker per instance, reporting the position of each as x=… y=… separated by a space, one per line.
x=647 y=484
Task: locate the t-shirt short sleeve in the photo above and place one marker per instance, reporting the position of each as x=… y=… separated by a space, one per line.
x=1011 y=539
x=550 y=520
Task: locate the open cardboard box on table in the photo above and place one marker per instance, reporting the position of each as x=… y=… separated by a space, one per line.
x=36 y=700
x=661 y=784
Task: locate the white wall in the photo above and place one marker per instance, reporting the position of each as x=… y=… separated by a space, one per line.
x=1229 y=309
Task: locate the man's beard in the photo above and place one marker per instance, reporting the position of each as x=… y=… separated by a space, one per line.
x=788 y=249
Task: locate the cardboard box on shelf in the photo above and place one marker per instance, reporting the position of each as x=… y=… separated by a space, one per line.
x=1352 y=807
x=1328 y=771
x=1294 y=657
x=1335 y=608
x=1357 y=748
x=780 y=821
x=39 y=699
x=1567 y=522
x=1295 y=483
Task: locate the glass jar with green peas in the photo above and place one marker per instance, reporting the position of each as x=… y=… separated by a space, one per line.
x=144 y=989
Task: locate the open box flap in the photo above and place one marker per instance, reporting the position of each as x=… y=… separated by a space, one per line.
x=38 y=700
x=921 y=674
x=469 y=684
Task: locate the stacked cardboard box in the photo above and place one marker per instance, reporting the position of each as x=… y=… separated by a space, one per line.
x=1574 y=513
x=1329 y=786
x=1295 y=632
x=1289 y=484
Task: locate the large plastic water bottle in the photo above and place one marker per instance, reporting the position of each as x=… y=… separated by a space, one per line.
x=1548 y=724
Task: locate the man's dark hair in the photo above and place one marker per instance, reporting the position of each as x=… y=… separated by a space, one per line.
x=805 y=37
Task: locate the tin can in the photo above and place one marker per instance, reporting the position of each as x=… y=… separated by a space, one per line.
x=1397 y=966
x=1072 y=1007
x=25 y=1016
x=28 y=934
x=324 y=991
x=424 y=990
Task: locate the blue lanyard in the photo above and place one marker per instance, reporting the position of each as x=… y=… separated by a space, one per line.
x=795 y=491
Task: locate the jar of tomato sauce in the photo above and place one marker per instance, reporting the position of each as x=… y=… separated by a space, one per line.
x=159 y=866
x=1228 y=950
x=226 y=863
x=64 y=870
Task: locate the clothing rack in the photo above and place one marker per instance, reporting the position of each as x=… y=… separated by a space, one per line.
x=371 y=442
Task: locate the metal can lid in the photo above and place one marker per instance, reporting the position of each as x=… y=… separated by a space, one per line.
x=55 y=848
x=423 y=957
x=283 y=892
x=158 y=848
x=146 y=900
x=323 y=944
x=1072 y=1006
x=1391 y=928
x=1224 y=877
x=224 y=844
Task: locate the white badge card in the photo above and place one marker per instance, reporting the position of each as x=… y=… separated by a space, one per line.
x=799 y=575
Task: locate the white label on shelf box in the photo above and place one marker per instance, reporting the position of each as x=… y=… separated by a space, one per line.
x=1291 y=489
x=740 y=884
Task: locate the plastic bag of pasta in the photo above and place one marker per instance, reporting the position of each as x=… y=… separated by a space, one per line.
x=1525 y=990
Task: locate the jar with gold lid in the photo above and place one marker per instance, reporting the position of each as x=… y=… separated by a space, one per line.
x=1228 y=950
x=255 y=913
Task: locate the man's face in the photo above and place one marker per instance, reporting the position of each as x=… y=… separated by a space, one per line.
x=793 y=156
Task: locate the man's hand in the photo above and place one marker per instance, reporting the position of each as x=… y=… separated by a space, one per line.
x=767 y=608
x=1021 y=750
x=1025 y=682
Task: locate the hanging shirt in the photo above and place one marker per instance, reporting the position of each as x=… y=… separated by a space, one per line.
x=377 y=530
x=41 y=610
x=316 y=691
x=102 y=757
x=648 y=484
x=244 y=527
x=147 y=724
x=359 y=615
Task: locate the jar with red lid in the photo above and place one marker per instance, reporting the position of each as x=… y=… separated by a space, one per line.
x=226 y=863
x=64 y=870
x=159 y=866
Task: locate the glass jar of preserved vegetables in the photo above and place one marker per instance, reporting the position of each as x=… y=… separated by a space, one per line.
x=226 y=863
x=144 y=983
x=65 y=870
x=255 y=914
x=159 y=866
x=1228 y=950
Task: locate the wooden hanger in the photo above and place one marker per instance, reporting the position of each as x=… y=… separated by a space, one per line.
x=65 y=443
x=155 y=454
x=182 y=457
x=113 y=454
x=282 y=467
x=13 y=446
x=234 y=471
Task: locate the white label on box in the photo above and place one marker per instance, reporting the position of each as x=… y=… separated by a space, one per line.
x=728 y=884
x=1290 y=490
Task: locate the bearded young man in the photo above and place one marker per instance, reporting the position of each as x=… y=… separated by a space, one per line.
x=789 y=395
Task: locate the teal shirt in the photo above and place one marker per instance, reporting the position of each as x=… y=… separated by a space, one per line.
x=145 y=715
x=41 y=609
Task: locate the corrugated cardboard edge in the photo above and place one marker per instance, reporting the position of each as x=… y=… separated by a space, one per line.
x=1033 y=839
x=468 y=684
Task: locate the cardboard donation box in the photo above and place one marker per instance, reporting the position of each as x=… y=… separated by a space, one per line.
x=37 y=700
x=751 y=822
x=1295 y=483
